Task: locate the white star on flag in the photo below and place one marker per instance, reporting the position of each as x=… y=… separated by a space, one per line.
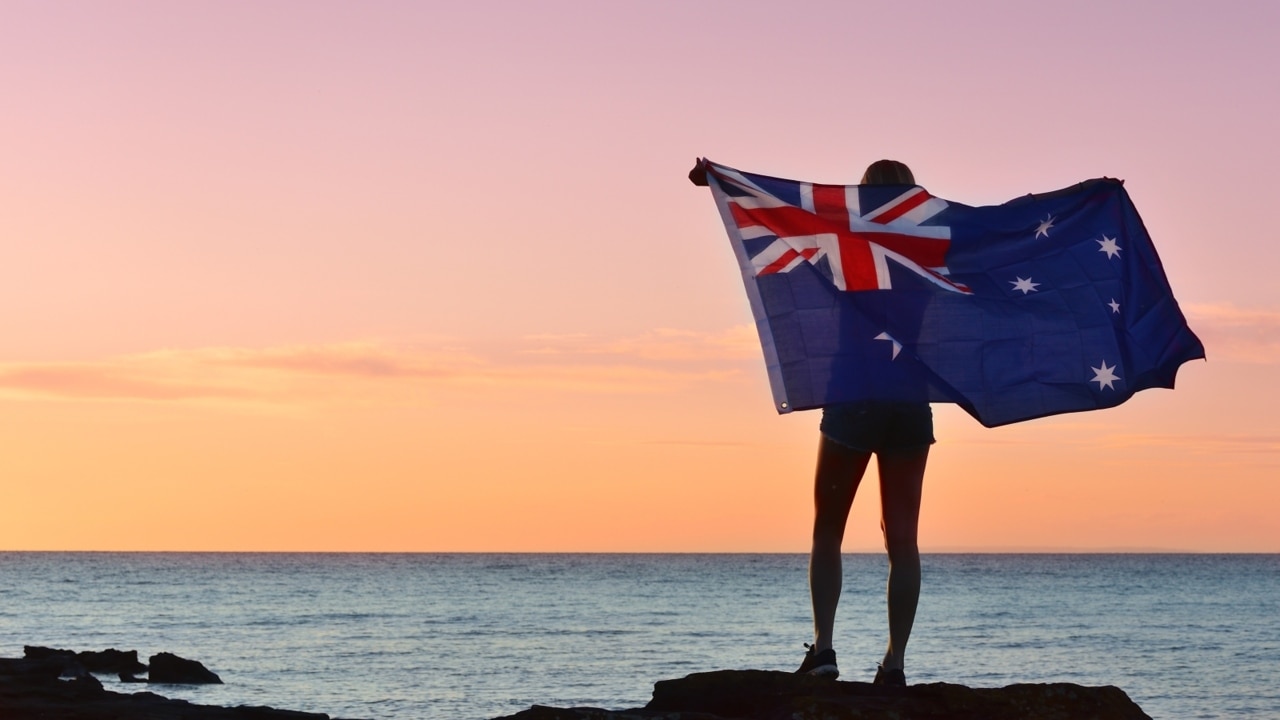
x=897 y=346
x=1108 y=246
x=1045 y=224
x=1115 y=306
x=1104 y=376
x=1026 y=286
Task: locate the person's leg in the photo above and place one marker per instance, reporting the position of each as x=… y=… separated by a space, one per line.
x=901 y=483
x=836 y=481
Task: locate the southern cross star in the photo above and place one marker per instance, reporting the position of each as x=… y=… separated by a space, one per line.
x=1104 y=376
x=1045 y=224
x=1115 y=306
x=1026 y=286
x=1108 y=246
x=897 y=346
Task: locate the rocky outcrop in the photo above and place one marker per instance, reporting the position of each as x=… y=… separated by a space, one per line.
x=171 y=669
x=44 y=686
x=165 y=668
x=768 y=695
x=110 y=661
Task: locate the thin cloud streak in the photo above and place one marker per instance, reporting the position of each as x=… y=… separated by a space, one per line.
x=1237 y=334
x=353 y=360
x=698 y=443
x=106 y=381
x=663 y=344
x=1198 y=443
x=656 y=362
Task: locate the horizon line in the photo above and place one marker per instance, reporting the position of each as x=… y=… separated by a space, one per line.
x=946 y=550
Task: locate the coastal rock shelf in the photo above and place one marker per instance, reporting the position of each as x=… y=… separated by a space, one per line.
x=163 y=668
x=59 y=685
x=769 y=695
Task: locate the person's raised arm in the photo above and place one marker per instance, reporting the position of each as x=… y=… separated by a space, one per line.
x=698 y=175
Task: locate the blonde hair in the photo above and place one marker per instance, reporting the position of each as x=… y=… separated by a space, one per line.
x=888 y=172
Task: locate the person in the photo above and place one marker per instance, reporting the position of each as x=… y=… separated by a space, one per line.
x=898 y=434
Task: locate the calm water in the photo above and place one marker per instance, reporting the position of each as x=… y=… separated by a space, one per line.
x=478 y=636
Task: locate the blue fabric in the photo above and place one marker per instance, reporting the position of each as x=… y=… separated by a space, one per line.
x=1047 y=304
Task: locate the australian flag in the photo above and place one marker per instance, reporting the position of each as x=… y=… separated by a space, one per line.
x=1047 y=304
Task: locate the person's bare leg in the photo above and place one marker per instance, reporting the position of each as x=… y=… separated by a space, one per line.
x=835 y=483
x=901 y=484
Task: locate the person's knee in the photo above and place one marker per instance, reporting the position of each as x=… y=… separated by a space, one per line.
x=826 y=539
x=901 y=545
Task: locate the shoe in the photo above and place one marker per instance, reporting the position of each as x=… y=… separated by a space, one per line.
x=819 y=664
x=889 y=678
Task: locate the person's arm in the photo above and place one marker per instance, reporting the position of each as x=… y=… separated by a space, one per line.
x=698 y=175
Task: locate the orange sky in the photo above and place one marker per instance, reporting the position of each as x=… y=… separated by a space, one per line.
x=417 y=277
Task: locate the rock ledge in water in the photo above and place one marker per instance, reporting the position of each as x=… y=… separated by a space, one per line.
x=171 y=669
x=109 y=661
x=771 y=695
x=54 y=685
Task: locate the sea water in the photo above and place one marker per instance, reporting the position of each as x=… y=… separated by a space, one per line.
x=402 y=636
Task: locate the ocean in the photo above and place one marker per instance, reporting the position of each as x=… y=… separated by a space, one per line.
x=477 y=636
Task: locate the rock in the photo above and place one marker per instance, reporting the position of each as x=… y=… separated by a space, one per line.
x=771 y=695
x=106 y=661
x=62 y=663
x=35 y=652
x=30 y=690
x=111 y=661
x=171 y=669
x=29 y=670
x=82 y=686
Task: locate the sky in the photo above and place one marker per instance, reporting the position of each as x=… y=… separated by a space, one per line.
x=428 y=276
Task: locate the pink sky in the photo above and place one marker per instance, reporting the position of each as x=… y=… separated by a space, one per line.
x=428 y=276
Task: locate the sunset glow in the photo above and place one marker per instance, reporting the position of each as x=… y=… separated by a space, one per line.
x=408 y=276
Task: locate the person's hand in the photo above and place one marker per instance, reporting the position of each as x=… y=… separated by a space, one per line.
x=698 y=175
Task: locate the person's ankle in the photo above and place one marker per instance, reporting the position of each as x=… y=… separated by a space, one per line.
x=892 y=662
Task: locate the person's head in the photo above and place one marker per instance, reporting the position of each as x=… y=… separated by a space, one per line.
x=888 y=172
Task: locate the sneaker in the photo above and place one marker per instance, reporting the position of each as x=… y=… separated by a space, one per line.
x=819 y=664
x=889 y=678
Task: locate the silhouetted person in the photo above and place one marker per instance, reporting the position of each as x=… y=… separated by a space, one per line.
x=899 y=435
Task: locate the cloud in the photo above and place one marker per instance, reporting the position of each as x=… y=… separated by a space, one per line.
x=655 y=362
x=1200 y=443
x=354 y=360
x=699 y=443
x=1237 y=334
x=107 y=380
x=663 y=344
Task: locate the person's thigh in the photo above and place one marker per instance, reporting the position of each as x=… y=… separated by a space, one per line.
x=901 y=487
x=836 y=481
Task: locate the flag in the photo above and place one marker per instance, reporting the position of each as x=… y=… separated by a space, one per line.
x=1047 y=304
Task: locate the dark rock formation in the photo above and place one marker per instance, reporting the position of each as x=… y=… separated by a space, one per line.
x=109 y=661
x=74 y=664
x=171 y=669
x=765 y=695
x=30 y=689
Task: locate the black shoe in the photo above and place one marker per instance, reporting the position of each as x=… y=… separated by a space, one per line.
x=819 y=664
x=889 y=678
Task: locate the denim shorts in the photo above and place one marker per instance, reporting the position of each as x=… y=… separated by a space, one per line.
x=877 y=427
